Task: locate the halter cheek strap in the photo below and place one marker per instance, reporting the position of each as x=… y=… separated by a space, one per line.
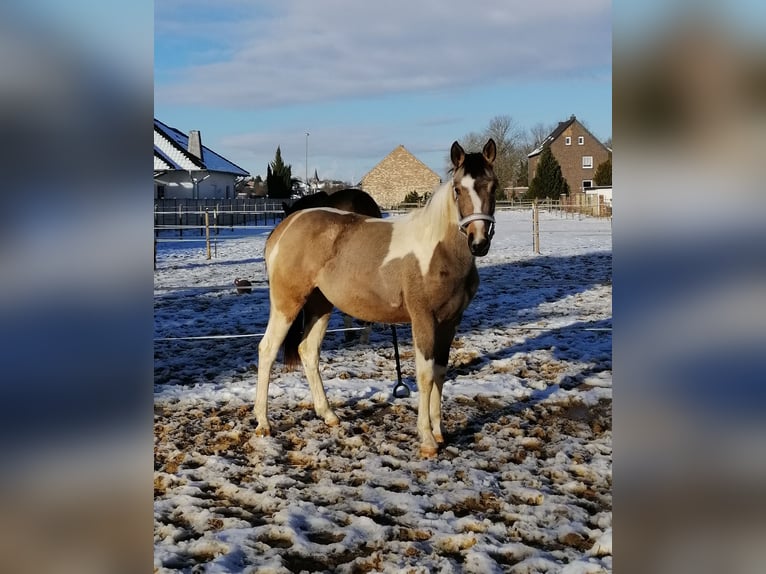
x=463 y=223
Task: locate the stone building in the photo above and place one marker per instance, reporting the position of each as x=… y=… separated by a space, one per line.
x=397 y=175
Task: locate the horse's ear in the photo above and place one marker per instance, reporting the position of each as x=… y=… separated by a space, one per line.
x=457 y=155
x=490 y=151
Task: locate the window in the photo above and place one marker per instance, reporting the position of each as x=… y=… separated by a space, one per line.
x=587 y=183
x=580 y=140
x=587 y=162
x=160 y=192
x=567 y=140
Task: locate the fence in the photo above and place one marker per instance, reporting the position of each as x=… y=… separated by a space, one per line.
x=578 y=203
x=206 y=216
x=189 y=214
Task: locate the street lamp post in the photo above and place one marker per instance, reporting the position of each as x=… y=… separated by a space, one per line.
x=307 y=162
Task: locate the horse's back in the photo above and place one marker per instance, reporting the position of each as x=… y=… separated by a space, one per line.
x=340 y=253
x=356 y=200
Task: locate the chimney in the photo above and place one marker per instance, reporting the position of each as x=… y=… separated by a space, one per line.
x=195 y=144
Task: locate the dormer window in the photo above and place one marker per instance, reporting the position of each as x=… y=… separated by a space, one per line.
x=567 y=140
x=580 y=140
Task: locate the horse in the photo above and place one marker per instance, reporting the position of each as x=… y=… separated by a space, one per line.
x=418 y=268
x=349 y=199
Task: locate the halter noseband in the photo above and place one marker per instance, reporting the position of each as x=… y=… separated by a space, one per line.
x=463 y=223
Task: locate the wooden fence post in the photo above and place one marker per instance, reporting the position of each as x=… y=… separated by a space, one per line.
x=207 y=231
x=535 y=228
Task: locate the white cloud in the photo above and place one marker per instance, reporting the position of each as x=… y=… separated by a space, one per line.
x=319 y=51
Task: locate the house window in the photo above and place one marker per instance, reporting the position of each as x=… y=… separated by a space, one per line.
x=587 y=183
x=567 y=140
x=580 y=140
x=587 y=162
x=160 y=192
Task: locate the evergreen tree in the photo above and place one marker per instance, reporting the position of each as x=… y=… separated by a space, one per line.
x=279 y=177
x=548 y=181
x=603 y=175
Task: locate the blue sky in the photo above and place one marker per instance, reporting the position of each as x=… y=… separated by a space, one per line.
x=363 y=78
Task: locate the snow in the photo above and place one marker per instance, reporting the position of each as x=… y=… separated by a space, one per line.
x=523 y=483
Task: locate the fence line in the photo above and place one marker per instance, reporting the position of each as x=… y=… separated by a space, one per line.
x=565 y=207
x=347 y=329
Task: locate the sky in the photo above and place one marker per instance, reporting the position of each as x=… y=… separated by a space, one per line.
x=363 y=78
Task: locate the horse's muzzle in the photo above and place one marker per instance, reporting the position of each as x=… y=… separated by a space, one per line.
x=479 y=246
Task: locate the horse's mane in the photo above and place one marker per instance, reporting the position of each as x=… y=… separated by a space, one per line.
x=435 y=218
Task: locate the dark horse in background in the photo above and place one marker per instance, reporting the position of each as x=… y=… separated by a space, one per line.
x=349 y=199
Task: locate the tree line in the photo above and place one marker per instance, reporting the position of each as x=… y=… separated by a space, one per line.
x=514 y=144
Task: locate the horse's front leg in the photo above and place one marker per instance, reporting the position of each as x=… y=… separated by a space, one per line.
x=435 y=404
x=423 y=339
x=443 y=337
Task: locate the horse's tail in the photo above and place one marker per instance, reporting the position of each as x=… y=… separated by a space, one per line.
x=292 y=339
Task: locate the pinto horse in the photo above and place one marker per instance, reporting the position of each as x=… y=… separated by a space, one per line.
x=348 y=199
x=418 y=268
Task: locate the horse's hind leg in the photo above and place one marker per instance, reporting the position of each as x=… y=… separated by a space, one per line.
x=317 y=312
x=268 y=348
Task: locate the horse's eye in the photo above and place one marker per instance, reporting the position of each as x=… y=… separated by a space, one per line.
x=457 y=189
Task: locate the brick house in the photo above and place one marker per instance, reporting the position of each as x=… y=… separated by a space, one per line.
x=397 y=175
x=578 y=152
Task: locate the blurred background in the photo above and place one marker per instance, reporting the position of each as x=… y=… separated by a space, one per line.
x=76 y=287
x=689 y=140
x=689 y=92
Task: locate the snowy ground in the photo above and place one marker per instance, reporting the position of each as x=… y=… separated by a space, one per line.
x=523 y=483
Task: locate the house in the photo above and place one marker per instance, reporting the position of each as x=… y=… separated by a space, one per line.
x=578 y=152
x=185 y=169
x=397 y=175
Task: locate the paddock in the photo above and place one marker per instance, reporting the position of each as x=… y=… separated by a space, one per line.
x=527 y=406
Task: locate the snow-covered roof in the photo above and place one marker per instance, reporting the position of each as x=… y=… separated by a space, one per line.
x=553 y=135
x=557 y=132
x=171 y=151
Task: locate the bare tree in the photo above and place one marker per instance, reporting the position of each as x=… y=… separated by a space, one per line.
x=510 y=141
x=538 y=133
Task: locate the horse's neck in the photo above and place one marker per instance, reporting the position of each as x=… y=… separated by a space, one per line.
x=438 y=219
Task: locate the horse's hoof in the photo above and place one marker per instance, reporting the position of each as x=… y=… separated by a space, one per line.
x=332 y=421
x=428 y=451
x=439 y=438
x=262 y=431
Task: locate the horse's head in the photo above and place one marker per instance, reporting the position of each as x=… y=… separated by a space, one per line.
x=474 y=183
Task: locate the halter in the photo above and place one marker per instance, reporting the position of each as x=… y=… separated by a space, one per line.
x=463 y=223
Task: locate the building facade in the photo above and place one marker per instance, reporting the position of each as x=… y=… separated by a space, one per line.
x=578 y=152
x=396 y=176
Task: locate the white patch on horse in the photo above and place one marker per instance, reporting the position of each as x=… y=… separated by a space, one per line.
x=404 y=243
x=467 y=183
x=418 y=234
